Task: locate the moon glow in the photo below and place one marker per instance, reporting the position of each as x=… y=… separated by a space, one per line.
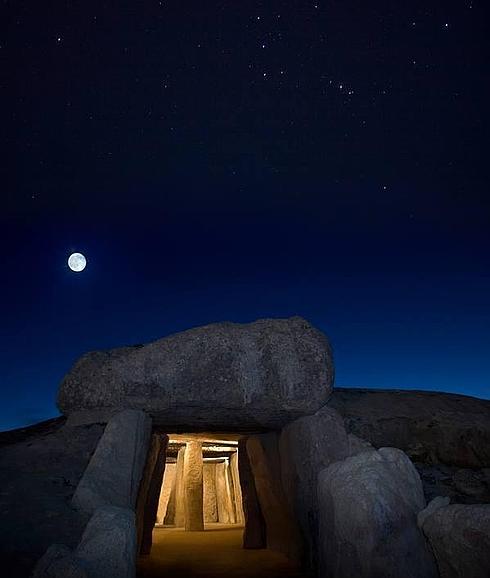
x=77 y=262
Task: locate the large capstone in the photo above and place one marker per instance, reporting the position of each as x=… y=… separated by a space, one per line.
x=257 y=375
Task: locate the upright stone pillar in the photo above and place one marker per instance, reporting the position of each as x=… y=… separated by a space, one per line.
x=193 y=487
x=282 y=533
x=114 y=473
x=175 y=509
x=210 y=501
x=226 y=514
x=254 y=531
x=168 y=485
x=237 y=490
x=150 y=488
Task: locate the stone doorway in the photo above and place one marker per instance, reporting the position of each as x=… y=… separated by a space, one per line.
x=201 y=483
x=204 y=525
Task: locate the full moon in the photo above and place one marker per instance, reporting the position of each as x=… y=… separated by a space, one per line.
x=77 y=262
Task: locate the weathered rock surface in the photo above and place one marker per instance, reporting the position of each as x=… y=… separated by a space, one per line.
x=107 y=549
x=114 y=472
x=368 y=528
x=175 y=514
x=431 y=427
x=307 y=446
x=210 y=503
x=166 y=489
x=282 y=532
x=40 y=467
x=149 y=492
x=245 y=376
x=432 y=506
x=237 y=490
x=462 y=486
x=460 y=538
x=193 y=487
x=108 y=545
x=59 y=562
x=226 y=514
x=254 y=531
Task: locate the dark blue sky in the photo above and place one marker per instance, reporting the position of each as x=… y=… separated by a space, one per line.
x=221 y=161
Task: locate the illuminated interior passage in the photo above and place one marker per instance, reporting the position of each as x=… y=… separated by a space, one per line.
x=201 y=484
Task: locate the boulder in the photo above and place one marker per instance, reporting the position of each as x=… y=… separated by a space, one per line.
x=368 y=505
x=460 y=538
x=107 y=549
x=432 y=506
x=307 y=446
x=108 y=545
x=114 y=472
x=58 y=562
x=430 y=427
x=248 y=376
x=473 y=483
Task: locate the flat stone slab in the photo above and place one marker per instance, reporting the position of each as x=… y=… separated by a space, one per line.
x=244 y=376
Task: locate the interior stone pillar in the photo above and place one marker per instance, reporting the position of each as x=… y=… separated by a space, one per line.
x=210 y=502
x=237 y=490
x=175 y=515
x=167 y=487
x=225 y=506
x=193 y=487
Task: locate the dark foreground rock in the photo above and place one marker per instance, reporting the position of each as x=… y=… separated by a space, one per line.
x=40 y=467
x=107 y=549
x=430 y=427
x=368 y=527
x=460 y=538
x=257 y=375
x=307 y=446
x=114 y=473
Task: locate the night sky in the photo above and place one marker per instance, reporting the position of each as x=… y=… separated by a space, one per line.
x=235 y=160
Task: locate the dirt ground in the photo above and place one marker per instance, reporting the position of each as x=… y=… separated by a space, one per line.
x=210 y=554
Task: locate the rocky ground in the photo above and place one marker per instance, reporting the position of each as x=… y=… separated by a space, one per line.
x=40 y=467
x=446 y=436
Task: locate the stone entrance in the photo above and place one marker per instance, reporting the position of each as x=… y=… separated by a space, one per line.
x=312 y=486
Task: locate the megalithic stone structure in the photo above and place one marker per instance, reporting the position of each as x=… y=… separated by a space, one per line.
x=193 y=487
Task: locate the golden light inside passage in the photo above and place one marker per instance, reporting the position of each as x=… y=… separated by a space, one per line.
x=77 y=262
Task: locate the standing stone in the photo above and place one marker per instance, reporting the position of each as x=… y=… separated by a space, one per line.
x=460 y=538
x=237 y=491
x=367 y=512
x=193 y=487
x=282 y=534
x=58 y=562
x=210 y=501
x=108 y=545
x=167 y=485
x=150 y=493
x=223 y=495
x=254 y=531
x=307 y=446
x=175 y=515
x=114 y=472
